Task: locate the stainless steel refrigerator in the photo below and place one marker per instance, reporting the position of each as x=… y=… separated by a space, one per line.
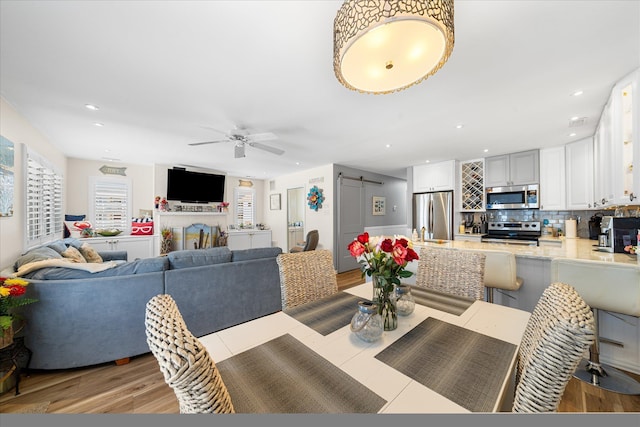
x=434 y=212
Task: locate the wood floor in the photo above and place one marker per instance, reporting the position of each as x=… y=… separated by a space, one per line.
x=139 y=388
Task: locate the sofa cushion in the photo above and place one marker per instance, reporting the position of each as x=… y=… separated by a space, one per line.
x=198 y=257
x=146 y=265
x=37 y=254
x=256 y=253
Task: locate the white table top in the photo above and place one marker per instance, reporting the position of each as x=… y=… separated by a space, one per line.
x=357 y=358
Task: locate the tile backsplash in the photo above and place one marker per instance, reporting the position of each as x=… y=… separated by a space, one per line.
x=555 y=218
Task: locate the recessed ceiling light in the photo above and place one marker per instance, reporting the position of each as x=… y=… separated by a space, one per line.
x=486 y=150
x=577 y=93
x=427 y=161
x=388 y=145
x=92 y=107
x=297 y=163
x=572 y=134
x=574 y=118
x=98 y=124
x=459 y=126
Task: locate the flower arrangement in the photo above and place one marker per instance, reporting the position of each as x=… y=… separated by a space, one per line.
x=385 y=261
x=167 y=237
x=631 y=249
x=11 y=291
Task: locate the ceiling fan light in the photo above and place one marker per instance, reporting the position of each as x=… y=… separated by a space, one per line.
x=387 y=46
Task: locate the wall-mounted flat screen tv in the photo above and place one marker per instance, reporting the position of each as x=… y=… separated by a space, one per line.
x=194 y=187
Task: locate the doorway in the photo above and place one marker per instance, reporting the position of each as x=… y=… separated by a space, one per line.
x=295 y=216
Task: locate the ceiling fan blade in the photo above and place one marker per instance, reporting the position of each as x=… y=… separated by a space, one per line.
x=209 y=142
x=266 y=148
x=267 y=136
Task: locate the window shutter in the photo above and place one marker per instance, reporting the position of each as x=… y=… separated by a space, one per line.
x=111 y=199
x=43 y=199
x=245 y=206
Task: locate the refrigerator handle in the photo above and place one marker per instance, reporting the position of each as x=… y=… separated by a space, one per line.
x=430 y=218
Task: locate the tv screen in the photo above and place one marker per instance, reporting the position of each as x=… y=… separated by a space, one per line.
x=194 y=187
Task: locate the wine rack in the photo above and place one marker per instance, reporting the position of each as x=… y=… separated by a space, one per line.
x=472 y=179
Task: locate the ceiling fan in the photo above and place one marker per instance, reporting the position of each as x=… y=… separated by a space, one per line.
x=241 y=137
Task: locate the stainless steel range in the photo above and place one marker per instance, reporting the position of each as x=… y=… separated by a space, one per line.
x=513 y=232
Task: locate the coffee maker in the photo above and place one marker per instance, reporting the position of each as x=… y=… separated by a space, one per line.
x=618 y=232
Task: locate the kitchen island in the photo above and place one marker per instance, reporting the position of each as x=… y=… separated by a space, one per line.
x=619 y=334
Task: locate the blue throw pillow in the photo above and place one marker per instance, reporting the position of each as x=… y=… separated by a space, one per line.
x=58 y=246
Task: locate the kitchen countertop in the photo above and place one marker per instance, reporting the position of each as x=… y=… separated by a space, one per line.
x=570 y=248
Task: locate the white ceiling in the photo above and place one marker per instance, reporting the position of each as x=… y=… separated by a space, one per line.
x=163 y=73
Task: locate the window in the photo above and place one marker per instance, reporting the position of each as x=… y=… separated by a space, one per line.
x=110 y=203
x=245 y=206
x=43 y=200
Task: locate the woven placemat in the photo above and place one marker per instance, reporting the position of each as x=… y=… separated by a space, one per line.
x=327 y=314
x=285 y=376
x=464 y=366
x=440 y=301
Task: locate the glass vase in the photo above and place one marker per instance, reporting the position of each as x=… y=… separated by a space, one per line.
x=405 y=302
x=367 y=323
x=384 y=295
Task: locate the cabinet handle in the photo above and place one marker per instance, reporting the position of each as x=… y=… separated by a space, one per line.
x=632 y=197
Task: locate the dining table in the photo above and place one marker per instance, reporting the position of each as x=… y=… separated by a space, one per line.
x=307 y=359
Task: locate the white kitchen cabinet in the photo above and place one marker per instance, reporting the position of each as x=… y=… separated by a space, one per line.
x=624 y=136
x=248 y=239
x=512 y=169
x=579 y=174
x=137 y=247
x=434 y=176
x=552 y=179
x=603 y=160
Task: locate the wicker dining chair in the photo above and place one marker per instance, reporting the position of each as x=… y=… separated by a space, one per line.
x=306 y=276
x=561 y=328
x=185 y=363
x=452 y=271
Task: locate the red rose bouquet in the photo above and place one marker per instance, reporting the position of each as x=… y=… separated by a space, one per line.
x=385 y=260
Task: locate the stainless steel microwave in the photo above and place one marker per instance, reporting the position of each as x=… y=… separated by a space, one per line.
x=513 y=197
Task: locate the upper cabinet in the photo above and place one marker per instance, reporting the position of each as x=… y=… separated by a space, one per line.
x=434 y=176
x=552 y=179
x=626 y=150
x=472 y=185
x=603 y=160
x=579 y=173
x=512 y=169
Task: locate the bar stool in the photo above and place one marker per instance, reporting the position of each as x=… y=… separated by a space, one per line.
x=499 y=271
x=605 y=286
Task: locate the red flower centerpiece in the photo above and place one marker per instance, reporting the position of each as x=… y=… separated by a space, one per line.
x=384 y=260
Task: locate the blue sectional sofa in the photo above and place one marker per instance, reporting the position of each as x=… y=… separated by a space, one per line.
x=84 y=318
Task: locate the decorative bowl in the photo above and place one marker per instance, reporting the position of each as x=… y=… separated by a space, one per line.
x=109 y=233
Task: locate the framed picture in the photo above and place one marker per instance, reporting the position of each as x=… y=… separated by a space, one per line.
x=378 y=205
x=275 y=202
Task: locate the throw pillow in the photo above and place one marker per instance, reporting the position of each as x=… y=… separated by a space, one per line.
x=89 y=253
x=38 y=254
x=72 y=218
x=75 y=227
x=142 y=227
x=73 y=254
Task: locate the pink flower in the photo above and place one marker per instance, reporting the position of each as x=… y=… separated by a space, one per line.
x=356 y=248
x=399 y=254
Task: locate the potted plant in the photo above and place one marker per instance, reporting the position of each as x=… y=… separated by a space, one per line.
x=11 y=296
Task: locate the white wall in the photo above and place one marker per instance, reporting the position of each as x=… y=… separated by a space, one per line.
x=18 y=130
x=79 y=171
x=322 y=220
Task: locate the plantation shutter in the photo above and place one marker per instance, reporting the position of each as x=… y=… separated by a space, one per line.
x=245 y=206
x=43 y=200
x=111 y=203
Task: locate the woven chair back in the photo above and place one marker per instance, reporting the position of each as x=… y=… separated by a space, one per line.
x=452 y=271
x=561 y=328
x=185 y=363
x=306 y=277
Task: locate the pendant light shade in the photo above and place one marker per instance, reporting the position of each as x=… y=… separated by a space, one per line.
x=386 y=46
